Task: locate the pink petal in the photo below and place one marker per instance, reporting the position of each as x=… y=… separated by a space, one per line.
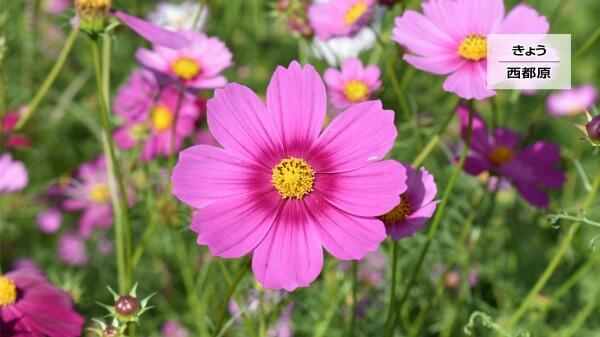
x=421 y=36
x=524 y=20
x=297 y=102
x=506 y=137
x=533 y=195
x=205 y=174
x=469 y=81
x=475 y=165
x=444 y=14
x=153 y=33
x=360 y=135
x=240 y=123
x=290 y=256
x=343 y=235
x=233 y=227
x=370 y=191
x=421 y=187
x=438 y=64
x=484 y=16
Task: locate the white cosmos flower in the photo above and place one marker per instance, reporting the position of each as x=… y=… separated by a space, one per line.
x=179 y=16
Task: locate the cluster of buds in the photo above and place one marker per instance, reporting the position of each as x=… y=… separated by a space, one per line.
x=294 y=14
x=124 y=310
x=92 y=15
x=592 y=129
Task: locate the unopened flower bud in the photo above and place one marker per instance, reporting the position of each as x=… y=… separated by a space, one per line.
x=127 y=305
x=111 y=331
x=593 y=128
x=92 y=14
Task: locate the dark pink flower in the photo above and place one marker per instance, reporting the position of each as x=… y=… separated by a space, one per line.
x=9 y=121
x=449 y=38
x=283 y=190
x=529 y=170
x=32 y=307
x=72 y=250
x=196 y=67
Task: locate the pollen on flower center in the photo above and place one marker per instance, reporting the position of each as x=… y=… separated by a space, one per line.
x=473 y=47
x=293 y=178
x=355 y=90
x=501 y=155
x=99 y=194
x=161 y=118
x=186 y=68
x=93 y=4
x=398 y=213
x=8 y=292
x=355 y=12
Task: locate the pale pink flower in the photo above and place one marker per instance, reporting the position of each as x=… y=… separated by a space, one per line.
x=72 y=250
x=50 y=220
x=13 y=174
x=340 y=17
x=573 y=101
x=449 y=38
x=354 y=83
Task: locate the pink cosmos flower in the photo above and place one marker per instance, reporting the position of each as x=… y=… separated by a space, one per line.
x=49 y=221
x=530 y=170
x=195 y=67
x=13 y=174
x=173 y=328
x=150 y=119
x=449 y=38
x=9 y=121
x=416 y=205
x=355 y=83
x=572 y=102
x=72 y=250
x=340 y=17
x=281 y=189
x=32 y=307
x=57 y=6
x=88 y=192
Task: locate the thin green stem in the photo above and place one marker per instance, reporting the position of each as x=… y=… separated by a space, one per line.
x=117 y=188
x=394 y=266
x=420 y=158
x=43 y=90
x=581 y=316
x=556 y=259
x=352 y=326
x=587 y=44
x=436 y=220
x=235 y=282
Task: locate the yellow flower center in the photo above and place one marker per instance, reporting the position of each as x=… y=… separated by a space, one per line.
x=8 y=292
x=355 y=12
x=293 y=178
x=93 y=4
x=186 y=68
x=161 y=118
x=398 y=213
x=356 y=90
x=99 y=194
x=501 y=155
x=473 y=47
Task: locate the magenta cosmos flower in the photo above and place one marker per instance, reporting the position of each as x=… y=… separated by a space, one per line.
x=32 y=307
x=449 y=38
x=49 y=221
x=72 y=250
x=197 y=66
x=88 y=192
x=149 y=114
x=13 y=174
x=340 y=17
x=416 y=205
x=530 y=170
x=572 y=102
x=280 y=190
x=354 y=83
x=9 y=121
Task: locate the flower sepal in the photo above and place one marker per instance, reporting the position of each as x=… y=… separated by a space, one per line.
x=127 y=308
x=591 y=129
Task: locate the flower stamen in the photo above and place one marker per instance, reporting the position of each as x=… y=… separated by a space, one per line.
x=99 y=194
x=8 y=292
x=293 y=178
x=161 y=118
x=186 y=68
x=355 y=90
x=473 y=47
x=355 y=12
x=398 y=213
x=501 y=155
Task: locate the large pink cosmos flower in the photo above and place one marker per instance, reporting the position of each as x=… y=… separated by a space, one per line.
x=573 y=101
x=151 y=119
x=450 y=39
x=13 y=174
x=88 y=192
x=340 y=17
x=416 y=205
x=354 y=83
x=32 y=307
x=530 y=170
x=197 y=66
x=280 y=190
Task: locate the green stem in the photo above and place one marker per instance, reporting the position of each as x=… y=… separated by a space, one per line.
x=437 y=219
x=41 y=93
x=117 y=188
x=587 y=44
x=558 y=255
x=581 y=316
x=420 y=158
x=352 y=327
x=391 y=308
x=235 y=282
